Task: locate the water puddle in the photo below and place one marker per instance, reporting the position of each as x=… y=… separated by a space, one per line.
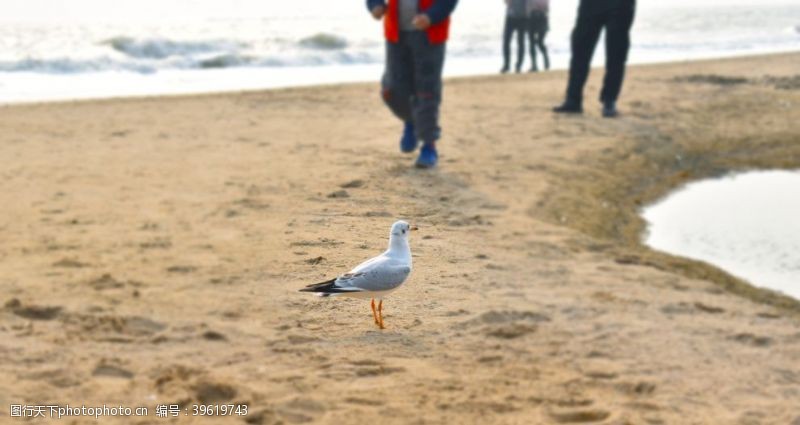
x=747 y=224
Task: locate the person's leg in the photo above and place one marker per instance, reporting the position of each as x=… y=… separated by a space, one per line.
x=397 y=89
x=508 y=32
x=540 y=37
x=428 y=64
x=584 y=40
x=618 y=42
x=520 y=25
x=532 y=34
x=398 y=78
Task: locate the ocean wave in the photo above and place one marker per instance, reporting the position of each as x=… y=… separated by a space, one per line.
x=73 y=66
x=225 y=61
x=324 y=41
x=201 y=61
x=146 y=55
x=158 y=48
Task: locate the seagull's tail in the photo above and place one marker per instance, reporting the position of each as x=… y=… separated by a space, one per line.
x=322 y=289
x=328 y=289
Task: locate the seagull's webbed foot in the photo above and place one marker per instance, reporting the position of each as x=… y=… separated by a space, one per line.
x=375 y=313
x=380 y=314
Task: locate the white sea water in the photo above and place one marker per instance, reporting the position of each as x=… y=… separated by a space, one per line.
x=59 y=49
x=747 y=224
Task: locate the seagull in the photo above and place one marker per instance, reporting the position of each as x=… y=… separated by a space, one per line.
x=375 y=278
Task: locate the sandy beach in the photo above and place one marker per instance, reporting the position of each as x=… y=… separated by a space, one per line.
x=152 y=250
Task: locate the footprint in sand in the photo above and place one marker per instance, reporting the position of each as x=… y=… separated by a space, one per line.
x=299 y=410
x=372 y=368
x=511 y=331
x=33 y=312
x=640 y=388
x=213 y=392
x=364 y=401
x=314 y=261
x=574 y=401
x=214 y=336
x=120 y=133
x=601 y=369
x=228 y=280
x=377 y=214
x=480 y=408
x=252 y=204
x=752 y=340
x=149 y=226
x=70 y=263
x=579 y=416
x=156 y=243
x=498 y=317
x=506 y=324
x=339 y=194
x=111 y=371
x=105 y=281
x=59 y=378
x=301 y=339
x=181 y=269
x=475 y=220
x=353 y=184
x=490 y=359
x=769 y=315
x=708 y=308
x=601 y=375
x=262 y=417
x=321 y=242
x=110 y=328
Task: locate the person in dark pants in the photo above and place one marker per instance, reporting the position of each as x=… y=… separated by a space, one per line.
x=616 y=17
x=516 y=22
x=416 y=33
x=538 y=25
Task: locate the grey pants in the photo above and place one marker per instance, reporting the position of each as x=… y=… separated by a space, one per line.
x=412 y=82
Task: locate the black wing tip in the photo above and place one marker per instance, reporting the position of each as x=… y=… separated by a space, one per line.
x=319 y=287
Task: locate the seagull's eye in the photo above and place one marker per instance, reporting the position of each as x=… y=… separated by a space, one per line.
x=404 y=231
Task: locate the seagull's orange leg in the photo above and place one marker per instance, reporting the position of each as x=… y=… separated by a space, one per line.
x=374 y=314
x=380 y=314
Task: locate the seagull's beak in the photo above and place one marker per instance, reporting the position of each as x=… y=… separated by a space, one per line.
x=413 y=228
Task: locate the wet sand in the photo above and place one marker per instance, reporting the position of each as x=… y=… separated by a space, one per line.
x=153 y=249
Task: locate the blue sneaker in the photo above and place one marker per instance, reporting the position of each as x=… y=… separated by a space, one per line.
x=427 y=156
x=408 y=143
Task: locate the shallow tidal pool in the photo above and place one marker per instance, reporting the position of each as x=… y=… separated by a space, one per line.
x=746 y=223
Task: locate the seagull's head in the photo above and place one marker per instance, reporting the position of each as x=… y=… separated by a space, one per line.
x=400 y=229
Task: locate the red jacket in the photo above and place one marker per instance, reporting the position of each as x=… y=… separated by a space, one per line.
x=437 y=33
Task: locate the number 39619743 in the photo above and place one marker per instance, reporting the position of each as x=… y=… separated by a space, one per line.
x=219 y=410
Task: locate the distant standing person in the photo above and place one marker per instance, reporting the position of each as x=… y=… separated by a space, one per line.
x=416 y=32
x=616 y=16
x=516 y=22
x=538 y=25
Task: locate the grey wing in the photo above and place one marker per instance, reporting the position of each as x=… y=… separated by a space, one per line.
x=383 y=277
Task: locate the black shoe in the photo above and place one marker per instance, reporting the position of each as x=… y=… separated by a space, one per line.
x=534 y=69
x=610 y=110
x=568 y=108
x=504 y=69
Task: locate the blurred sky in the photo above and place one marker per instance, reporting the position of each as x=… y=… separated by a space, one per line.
x=159 y=10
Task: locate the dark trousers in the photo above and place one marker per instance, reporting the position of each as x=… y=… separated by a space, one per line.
x=519 y=26
x=616 y=17
x=412 y=82
x=538 y=26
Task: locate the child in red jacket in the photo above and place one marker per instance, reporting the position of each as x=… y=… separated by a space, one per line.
x=416 y=32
